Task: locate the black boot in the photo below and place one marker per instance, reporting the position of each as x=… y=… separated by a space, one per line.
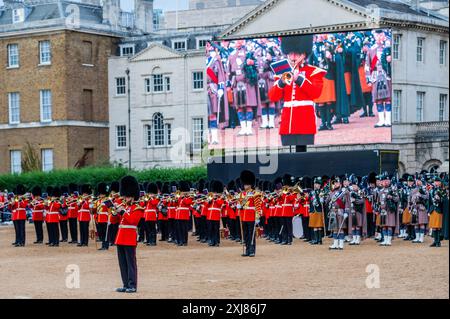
x=438 y=238
x=319 y=237
x=364 y=113
x=314 y=238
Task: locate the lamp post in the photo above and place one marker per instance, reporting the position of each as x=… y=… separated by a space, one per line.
x=127 y=71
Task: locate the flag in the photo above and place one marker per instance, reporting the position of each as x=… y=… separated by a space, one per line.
x=281 y=67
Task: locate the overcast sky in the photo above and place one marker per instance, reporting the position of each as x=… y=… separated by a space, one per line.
x=127 y=5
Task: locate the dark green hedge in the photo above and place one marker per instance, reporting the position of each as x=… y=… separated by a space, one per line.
x=95 y=175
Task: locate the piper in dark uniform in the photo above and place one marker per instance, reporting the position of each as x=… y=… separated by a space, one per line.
x=317 y=212
x=126 y=240
x=339 y=203
x=358 y=217
x=437 y=195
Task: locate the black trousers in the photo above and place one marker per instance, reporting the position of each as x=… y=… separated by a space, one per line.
x=101 y=231
x=141 y=229
x=183 y=228
x=84 y=233
x=287 y=230
x=64 y=230
x=213 y=232
x=202 y=228
x=73 y=229
x=16 y=233
x=232 y=228
x=150 y=232
x=305 y=225
x=127 y=265
x=370 y=225
x=196 y=224
x=238 y=228
x=277 y=228
x=224 y=222
x=171 y=228
x=39 y=230
x=250 y=245
x=112 y=233
x=53 y=233
x=164 y=229
x=19 y=226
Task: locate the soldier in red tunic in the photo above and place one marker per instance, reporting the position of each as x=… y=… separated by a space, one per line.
x=126 y=240
x=38 y=214
x=248 y=213
x=213 y=216
x=72 y=213
x=84 y=215
x=19 y=215
x=102 y=216
x=150 y=214
x=298 y=89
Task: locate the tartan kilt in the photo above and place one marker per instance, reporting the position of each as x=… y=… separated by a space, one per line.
x=406 y=217
x=435 y=221
x=315 y=220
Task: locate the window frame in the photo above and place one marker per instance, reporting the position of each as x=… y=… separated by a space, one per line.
x=397 y=46
x=127 y=46
x=194 y=81
x=195 y=133
x=397 y=106
x=43 y=159
x=443 y=52
x=12 y=166
x=9 y=46
x=175 y=41
x=41 y=53
x=422 y=104
x=41 y=105
x=124 y=137
x=443 y=98
x=124 y=86
x=421 y=47
x=10 y=108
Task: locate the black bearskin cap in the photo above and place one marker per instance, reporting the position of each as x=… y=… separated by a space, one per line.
x=102 y=189
x=36 y=191
x=86 y=189
x=248 y=178
x=216 y=187
x=129 y=187
x=297 y=44
x=184 y=186
x=152 y=188
x=115 y=186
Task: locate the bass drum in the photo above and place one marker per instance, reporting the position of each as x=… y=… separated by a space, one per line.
x=297 y=228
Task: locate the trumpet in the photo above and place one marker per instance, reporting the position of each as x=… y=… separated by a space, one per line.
x=287 y=77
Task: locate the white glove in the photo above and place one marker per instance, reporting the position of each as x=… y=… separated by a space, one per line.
x=220 y=93
x=345 y=215
x=238 y=206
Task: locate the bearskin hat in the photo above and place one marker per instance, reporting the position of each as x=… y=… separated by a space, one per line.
x=102 y=189
x=248 y=178
x=115 y=186
x=129 y=187
x=165 y=189
x=288 y=180
x=372 y=178
x=266 y=186
x=231 y=186
x=49 y=190
x=65 y=189
x=56 y=192
x=297 y=44
x=217 y=186
x=73 y=188
x=184 y=186
x=20 y=189
x=36 y=191
x=86 y=189
x=278 y=183
x=152 y=188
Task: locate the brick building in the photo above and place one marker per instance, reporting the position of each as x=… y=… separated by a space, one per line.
x=54 y=79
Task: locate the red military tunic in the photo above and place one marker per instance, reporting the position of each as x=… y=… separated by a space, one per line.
x=61 y=216
x=171 y=209
x=115 y=219
x=287 y=206
x=127 y=234
x=184 y=206
x=231 y=212
x=19 y=211
x=52 y=215
x=72 y=210
x=38 y=211
x=248 y=212
x=102 y=212
x=298 y=114
x=84 y=212
x=160 y=215
x=151 y=209
x=215 y=209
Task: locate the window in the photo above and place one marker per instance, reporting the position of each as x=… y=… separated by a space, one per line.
x=442 y=106
x=127 y=19
x=148 y=85
x=201 y=44
x=88 y=111
x=148 y=134
x=158 y=125
x=169 y=134
x=121 y=134
x=120 y=86
x=18 y=15
x=157 y=14
x=13 y=55
x=442 y=52
x=396 y=46
x=158 y=85
x=197 y=78
x=14 y=108
x=47 y=160
x=44 y=52
x=127 y=50
x=87 y=53
x=419 y=106
x=197 y=134
x=167 y=83
x=16 y=162
x=46 y=105
x=179 y=45
x=396 y=106
x=419 y=54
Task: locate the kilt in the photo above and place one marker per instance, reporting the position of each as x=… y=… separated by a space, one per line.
x=377 y=220
x=362 y=77
x=340 y=218
x=389 y=220
x=328 y=92
x=435 y=220
x=348 y=82
x=359 y=220
x=422 y=215
x=315 y=220
x=406 y=218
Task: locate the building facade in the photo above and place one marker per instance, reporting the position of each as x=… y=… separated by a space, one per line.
x=420 y=65
x=54 y=80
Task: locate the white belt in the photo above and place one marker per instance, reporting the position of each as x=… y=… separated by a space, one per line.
x=37 y=211
x=20 y=209
x=248 y=208
x=84 y=211
x=297 y=103
x=271 y=206
x=213 y=208
x=287 y=205
x=151 y=210
x=184 y=208
x=71 y=208
x=52 y=213
x=102 y=213
x=128 y=226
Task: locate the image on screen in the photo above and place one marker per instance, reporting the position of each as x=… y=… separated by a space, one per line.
x=322 y=89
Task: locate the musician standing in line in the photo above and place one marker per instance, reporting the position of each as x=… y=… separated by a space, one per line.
x=38 y=214
x=357 y=220
x=316 y=212
x=339 y=202
x=248 y=213
x=419 y=199
x=126 y=240
x=102 y=215
x=150 y=214
x=437 y=195
x=84 y=216
x=52 y=218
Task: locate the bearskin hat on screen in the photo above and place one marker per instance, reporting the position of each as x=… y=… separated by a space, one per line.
x=266 y=186
x=297 y=44
x=102 y=189
x=318 y=180
x=159 y=184
x=115 y=186
x=372 y=178
x=238 y=183
x=152 y=188
x=86 y=189
x=248 y=178
x=36 y=191
x=306 y=182
x=129 y=187
x=216 y=186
